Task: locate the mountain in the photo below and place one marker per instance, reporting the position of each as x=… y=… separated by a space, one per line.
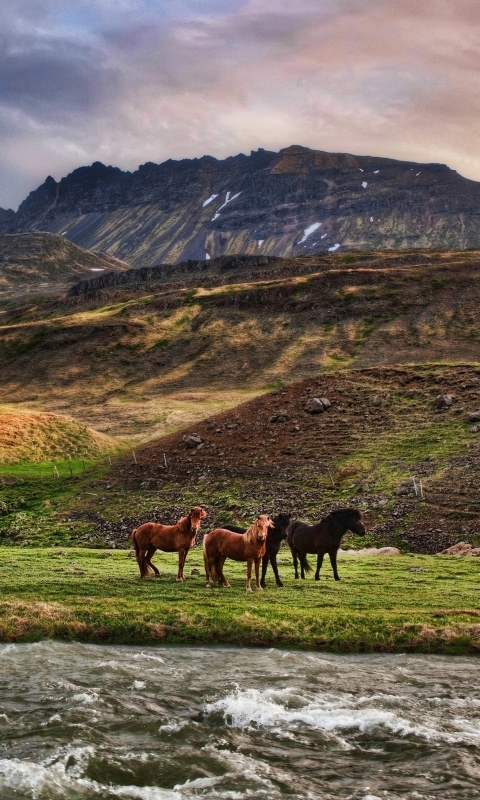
x=45 y=260
x=294 y=202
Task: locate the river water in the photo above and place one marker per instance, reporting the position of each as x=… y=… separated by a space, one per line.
x=172 y=723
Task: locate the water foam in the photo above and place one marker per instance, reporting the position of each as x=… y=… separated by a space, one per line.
x=279 y=709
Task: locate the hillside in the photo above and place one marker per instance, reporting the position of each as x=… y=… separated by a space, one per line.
x=383 y=429
x=40 y=437
x=43 y=260
x=150 y=358
x=289 y=203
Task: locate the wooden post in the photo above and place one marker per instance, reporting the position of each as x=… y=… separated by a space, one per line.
x=55 y=472
x=83 y=462
x=71 y=470
x=165 y=460
x=330 y=474
x=134 y=457
x=421 y=490
x=415 y=485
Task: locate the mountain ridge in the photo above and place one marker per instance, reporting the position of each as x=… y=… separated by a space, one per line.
x=294 y=202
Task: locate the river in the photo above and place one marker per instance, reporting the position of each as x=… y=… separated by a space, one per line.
x=172 y=723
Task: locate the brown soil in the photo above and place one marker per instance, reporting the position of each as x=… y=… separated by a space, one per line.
x=382 y=430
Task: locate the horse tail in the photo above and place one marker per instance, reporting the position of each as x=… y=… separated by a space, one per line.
x=205 y=560
x=306 y=565
x=135 y=543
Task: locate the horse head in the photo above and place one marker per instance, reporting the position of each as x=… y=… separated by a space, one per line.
x=263 y=523
x=355 y=524
x=282 y=523
x=196 y=514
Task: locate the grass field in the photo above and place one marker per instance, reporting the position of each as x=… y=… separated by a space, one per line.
x=403 y=603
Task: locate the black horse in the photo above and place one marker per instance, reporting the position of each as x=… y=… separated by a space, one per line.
x=275 y=536
x=324 y=537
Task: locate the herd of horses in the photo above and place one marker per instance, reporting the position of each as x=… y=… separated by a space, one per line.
x=258 y=544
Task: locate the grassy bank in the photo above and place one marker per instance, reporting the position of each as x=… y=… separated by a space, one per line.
x=404 y=603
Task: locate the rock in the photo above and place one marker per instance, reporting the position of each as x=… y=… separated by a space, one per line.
x=376 y=400
x=443 y=401
x=475 y=429
x=325 y=402
x=279 y=416
x=474 y=416
x=314 y=406
x=195 y=571
x=459 y=549
x=192 y=440
x=111 y=544
x=3 y=508
x=132 y=554
x=372 y=551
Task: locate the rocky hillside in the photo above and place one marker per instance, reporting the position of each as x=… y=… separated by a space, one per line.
x=401 y=443
x=294 y=202
x=43 y=259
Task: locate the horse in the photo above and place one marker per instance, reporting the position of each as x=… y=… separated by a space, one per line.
x=324 y=537
x=275 y=536
x=170 y=538
x=250 y=546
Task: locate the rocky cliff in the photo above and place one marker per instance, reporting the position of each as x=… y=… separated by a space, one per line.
x=294 y=202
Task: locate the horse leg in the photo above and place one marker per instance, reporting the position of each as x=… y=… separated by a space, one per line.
x=303 y=559
x=295 y=561
x=319 y=565
x=273 y=559
x=150 y=553
x=182 y=555
x=142 y=563
x=333 y=562
x=219 y=567
x=207 y=569
x=249 y=574
x=265 y=561
x=257 y=574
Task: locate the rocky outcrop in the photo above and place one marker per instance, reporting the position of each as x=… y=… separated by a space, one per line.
x=294 y=202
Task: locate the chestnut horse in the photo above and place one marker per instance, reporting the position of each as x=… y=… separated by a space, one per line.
x=220 y=544
x=324 y=537
x=275 y=537
x=170 y=538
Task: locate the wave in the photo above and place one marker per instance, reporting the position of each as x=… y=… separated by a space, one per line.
x=247 y=708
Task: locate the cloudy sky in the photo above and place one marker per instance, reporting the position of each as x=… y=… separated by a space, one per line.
x=129 y=81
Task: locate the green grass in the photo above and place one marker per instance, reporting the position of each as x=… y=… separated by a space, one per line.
x=380 y=605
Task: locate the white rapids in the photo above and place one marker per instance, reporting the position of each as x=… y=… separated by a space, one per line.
x=174 y=723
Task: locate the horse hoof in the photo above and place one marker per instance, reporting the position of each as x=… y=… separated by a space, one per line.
x=179 y=580
x=317 y=577
x=249 y=588
x=279 y=583
x=260 y=587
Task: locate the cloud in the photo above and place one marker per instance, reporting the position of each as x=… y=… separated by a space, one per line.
x=135 y=80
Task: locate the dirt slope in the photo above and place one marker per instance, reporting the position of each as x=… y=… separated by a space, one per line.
x=383 y=429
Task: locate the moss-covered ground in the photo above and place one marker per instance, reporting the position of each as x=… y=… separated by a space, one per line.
x=382 y=604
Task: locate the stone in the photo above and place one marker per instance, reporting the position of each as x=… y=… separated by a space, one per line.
x=459 y=549
x=314 y=406
x=195 y=571
x=279 y=416
x=474 y=416
x=443 y=401
x=192 y=440
x=376 y=400
x=475 y=429
x=325 y=402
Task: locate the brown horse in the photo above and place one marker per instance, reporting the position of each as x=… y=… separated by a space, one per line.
x=170 y=538
x=324 y=537
x=220 y=544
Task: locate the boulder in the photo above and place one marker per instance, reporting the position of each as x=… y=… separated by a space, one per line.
x=315 y=405
x=459 y=549
x=443 y=401
x=474 y=416
x=192 y=440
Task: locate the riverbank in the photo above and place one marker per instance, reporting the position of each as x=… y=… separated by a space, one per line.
x=408 y=603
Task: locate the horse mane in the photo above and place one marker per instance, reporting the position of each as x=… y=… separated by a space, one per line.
x=251 y=533
x=346 y=513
